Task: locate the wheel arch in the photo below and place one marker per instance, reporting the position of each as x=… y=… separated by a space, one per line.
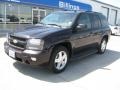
x=106 y=37
x=66 y=45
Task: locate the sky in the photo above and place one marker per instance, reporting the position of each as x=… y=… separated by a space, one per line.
x=112 y=2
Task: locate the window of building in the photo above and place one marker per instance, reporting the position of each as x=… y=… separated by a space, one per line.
x=42 y=14
x=105 y=11
x=84 y=19
x=48 y=11
x=2 y=12
x=12 y=13
x=38 y=15
x=25 y=14
x=113 y=17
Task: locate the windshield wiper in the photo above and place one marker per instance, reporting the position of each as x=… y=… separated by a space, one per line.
x=55 y=25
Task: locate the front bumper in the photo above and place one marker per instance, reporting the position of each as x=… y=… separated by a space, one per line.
x=24 y=56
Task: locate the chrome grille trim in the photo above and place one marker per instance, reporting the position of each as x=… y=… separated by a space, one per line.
x=21 y=42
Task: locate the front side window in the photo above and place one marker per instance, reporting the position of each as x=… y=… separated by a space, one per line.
x=59 y=18
x=84 y=19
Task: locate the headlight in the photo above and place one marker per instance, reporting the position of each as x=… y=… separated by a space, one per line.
x=35 y=44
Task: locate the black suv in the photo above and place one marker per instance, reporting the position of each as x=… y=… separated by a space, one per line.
x=58 y=37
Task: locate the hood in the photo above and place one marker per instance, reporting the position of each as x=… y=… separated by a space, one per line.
x=36 y=32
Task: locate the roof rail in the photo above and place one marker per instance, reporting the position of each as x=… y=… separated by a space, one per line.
x=93 y=12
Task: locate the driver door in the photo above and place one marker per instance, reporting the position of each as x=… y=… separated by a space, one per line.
x=83 y=38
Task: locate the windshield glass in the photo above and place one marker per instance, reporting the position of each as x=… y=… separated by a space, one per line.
x=59 y=19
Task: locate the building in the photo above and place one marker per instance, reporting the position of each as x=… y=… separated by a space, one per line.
x=16 y=14
x=111 y=12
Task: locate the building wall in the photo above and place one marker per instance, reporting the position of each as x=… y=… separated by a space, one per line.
x=98 y=7
x=118 y=19
x=16 y=14
x=23 y=14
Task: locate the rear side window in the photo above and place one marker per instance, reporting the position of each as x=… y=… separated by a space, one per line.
x=96 y=24
x=104 y=21
x=84 y=19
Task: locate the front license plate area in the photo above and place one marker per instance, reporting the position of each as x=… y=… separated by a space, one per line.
x=12 y=53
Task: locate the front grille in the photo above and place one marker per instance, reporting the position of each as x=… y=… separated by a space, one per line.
x=17 y=42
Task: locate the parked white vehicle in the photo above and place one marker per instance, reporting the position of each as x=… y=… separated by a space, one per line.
x=3 y=20
x=115 y=30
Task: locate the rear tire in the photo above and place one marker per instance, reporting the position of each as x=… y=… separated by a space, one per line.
x=102 y=46
x=59 y=59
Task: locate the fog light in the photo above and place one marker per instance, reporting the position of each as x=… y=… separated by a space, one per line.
x=33 y=59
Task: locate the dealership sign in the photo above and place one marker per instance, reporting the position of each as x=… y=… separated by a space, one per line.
x=64 y=4
x=13 y=0
x=69 y=6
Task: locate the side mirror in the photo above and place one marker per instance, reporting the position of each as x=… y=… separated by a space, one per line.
x=81 y=26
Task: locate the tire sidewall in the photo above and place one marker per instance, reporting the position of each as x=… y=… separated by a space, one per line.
x=100 y=50
x=52 y=59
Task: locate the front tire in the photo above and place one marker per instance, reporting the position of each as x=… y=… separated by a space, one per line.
x=102 y=46
x=59 y=59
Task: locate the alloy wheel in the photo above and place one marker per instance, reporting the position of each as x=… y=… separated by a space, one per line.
x=61 y=60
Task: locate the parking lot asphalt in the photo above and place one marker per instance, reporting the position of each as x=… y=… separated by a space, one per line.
x=95 y=72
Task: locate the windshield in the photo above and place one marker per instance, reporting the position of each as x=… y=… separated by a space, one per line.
x=59 y=19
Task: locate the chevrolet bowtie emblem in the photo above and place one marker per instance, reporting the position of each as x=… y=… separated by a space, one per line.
x=15 y=41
